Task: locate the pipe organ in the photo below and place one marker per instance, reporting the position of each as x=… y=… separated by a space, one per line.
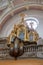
x=21 y=43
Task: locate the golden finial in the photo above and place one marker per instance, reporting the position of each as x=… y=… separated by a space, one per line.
x=22 y=15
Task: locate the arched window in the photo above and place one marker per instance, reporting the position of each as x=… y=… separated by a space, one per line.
x=32 y=22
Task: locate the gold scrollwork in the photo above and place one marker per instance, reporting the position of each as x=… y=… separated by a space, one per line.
x=27 y=33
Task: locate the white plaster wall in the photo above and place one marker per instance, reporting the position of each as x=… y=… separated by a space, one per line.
x=8 y=26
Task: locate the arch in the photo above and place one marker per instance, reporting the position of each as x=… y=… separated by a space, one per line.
x=15 y=11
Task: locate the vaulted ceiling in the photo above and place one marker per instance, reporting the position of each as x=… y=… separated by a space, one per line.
x=9 y=13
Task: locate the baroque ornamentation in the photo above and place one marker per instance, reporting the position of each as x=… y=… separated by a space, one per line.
x=21 y=35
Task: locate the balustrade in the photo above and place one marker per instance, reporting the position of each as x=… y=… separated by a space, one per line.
x=33 y=48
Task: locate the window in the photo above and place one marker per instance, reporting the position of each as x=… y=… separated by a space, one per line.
x=32 y=22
